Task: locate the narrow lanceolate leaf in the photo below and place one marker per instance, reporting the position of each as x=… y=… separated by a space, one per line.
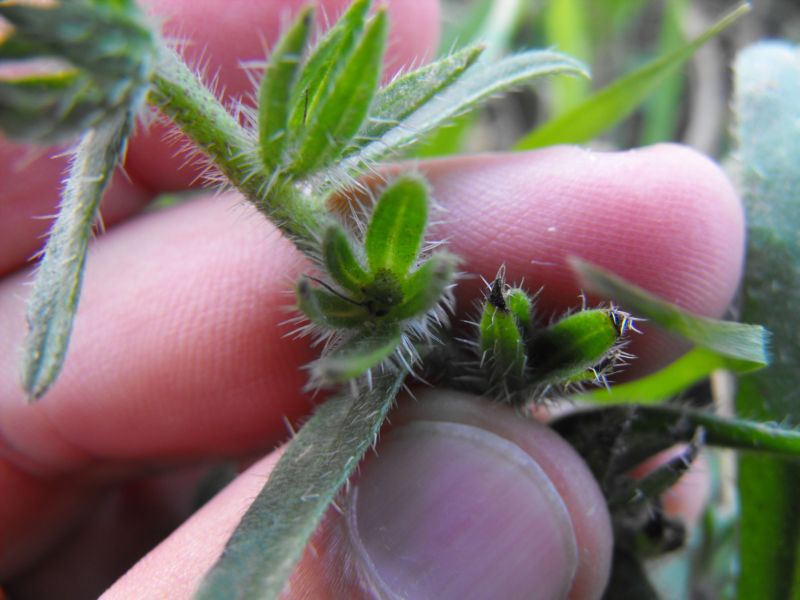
x=476 y=85
x=734 y=340
x=337 y=115
x=767 y=106
x=409 y=92
x=54 y=299
x=610 y=105
x=326 y=58
x=397 y=226
x=357 y=355
x=327 y=309
x=426 y=287
x=340 y=261
x=270 y=539
x=276 y=88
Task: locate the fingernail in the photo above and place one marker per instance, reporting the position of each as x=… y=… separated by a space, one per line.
x=447 y=510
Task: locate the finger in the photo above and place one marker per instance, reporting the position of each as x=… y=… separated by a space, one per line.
x=461 y=498
x=221 y=34
x=117 y=528
x=178 y=350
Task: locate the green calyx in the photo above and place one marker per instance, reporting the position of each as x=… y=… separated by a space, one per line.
x=503 y=328
x=374 y=289
x=517 y=359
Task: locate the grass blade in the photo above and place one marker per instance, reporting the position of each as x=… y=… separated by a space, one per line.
x=610 y=105
x=567 y=29
x=740 y=341
x=274 y=95
x=271 y=537
x=55 y=295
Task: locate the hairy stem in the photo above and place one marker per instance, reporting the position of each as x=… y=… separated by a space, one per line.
x=680 y=424
x=181 y=96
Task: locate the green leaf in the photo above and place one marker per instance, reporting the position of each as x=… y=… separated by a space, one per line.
x=407 y=93
x=739 y=341
x=328 y=57
x=276 y=89
x=327 y=309
x=54 y=299
x=491 y=23
x=340 y=261
x=611 y=104
x=691 y=368
x=335 y=116
x=426 y=287
x=475 y=86
x=662 y=111
x=767 y=106
x=567 y=28
x=270 y=539
x=397 y=226
x=357 y=355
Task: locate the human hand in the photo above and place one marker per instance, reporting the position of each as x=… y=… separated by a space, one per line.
x=178 y=358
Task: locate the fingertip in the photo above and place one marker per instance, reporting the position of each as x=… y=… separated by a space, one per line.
x=664 y=217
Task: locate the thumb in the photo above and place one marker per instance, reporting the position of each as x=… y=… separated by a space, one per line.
x=462 y=499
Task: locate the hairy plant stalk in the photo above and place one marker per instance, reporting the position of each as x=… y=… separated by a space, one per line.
x=181 y=96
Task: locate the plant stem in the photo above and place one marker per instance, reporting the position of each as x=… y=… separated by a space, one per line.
x=680 y=424
x=180 y=95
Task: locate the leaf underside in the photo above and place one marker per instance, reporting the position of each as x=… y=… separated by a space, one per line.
x=270 y=539
x=54 y=299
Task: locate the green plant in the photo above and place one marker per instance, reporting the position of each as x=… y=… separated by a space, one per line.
x=381 y=295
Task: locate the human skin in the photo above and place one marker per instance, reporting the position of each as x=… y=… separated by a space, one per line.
x=179 y=327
